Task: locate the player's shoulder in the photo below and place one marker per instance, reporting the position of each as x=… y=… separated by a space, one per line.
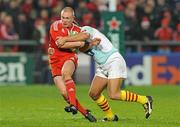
x=56 y=25
x=88 y=29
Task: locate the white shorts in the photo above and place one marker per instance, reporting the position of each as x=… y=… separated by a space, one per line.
x=115 y=67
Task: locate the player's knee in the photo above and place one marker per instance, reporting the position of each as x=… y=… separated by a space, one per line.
x=114 y=96
x=93 y=95
x=66 y=75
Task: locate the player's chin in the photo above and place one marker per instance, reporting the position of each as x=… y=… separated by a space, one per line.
x=65 y=25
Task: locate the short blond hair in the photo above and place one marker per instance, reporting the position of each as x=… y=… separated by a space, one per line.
x=68 y=9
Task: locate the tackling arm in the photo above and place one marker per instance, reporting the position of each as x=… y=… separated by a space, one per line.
x=78 y=37
x=68 y=45
x=77 y=44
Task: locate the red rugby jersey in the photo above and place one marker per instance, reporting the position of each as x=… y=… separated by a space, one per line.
x=56 y=30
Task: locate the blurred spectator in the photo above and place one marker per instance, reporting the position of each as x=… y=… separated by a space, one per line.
x=13 y=9
x=88 y=20
x=102 y=5
x=27 y=7
x=42 y=5
x=161 y=5
x=92 y=7
x=44 y=15
x=149 y=10
x=131 y=22
x=176 y=12
x=53 y=3
x=7 y=32
x=71 y=3
x=120 y=5
x=146 y=31
x=140 y=5
x=167 y=15
x=57 y=7
x=81 y=10
x=3 y=5
x=176 y=37
x=40 y=34
x=164 y=33
x=24 y=27
x=3 y=14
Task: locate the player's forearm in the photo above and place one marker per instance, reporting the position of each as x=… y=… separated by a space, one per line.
x=60 y=41
x=78 y=37
x=76 y=44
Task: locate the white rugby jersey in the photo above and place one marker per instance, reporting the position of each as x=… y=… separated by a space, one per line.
x=102 y=51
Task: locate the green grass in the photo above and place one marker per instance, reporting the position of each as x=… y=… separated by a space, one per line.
x=42 y=106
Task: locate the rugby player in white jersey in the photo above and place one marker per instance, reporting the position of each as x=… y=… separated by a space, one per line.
x=110 y=73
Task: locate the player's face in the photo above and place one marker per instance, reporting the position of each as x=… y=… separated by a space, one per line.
x=67 y=19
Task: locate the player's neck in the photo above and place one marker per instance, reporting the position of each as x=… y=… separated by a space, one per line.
x=69 y=27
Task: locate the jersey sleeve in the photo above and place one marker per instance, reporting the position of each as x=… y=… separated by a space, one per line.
x=54 y=31
x=87 y=29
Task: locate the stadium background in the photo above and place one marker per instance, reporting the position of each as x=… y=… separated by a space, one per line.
x=136 y=28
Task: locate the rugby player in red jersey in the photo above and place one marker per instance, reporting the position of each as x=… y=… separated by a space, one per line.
x=63 y=62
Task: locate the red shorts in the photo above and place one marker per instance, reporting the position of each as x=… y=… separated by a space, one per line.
x=57 y=62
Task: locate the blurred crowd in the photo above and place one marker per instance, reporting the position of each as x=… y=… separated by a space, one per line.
x=145 y=19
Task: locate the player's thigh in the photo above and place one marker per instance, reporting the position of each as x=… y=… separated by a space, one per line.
x=68 y=68
x=58 y=80
x=97 y=86
x=113 y=87
x=116 y=67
